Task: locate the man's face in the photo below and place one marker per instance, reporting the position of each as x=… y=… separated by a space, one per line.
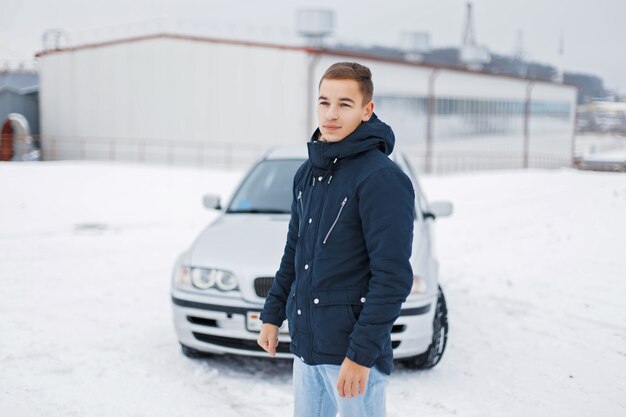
x=340 y=109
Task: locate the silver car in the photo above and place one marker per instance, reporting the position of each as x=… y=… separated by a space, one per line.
x=220 y=282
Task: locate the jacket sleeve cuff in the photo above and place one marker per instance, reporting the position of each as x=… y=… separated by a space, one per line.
x=361 y=357
x=272 y=319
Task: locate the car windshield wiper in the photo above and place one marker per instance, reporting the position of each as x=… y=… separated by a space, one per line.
x=264 y=211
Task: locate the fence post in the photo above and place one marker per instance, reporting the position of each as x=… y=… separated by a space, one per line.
x=229 y=158
x=313 y=58
x=573 y=145
x=430 y=114
x=529 y=88
x=199 y=154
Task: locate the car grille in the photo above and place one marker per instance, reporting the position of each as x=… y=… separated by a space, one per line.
x=233 y=343
x=262 y=286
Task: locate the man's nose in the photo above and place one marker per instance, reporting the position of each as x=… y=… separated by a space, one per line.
x=332 y=113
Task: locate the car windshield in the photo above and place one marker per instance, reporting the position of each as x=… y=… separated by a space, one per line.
x=267 y=189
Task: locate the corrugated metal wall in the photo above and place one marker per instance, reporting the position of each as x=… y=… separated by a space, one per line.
x=176 y=90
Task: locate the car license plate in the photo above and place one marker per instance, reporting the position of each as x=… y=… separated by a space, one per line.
x=254 y=323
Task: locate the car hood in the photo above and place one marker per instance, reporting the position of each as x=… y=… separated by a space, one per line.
x=242 y=242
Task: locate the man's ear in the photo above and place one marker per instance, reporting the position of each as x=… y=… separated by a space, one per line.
x=367 y=111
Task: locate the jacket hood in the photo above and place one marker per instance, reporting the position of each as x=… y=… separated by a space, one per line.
x=373 y=133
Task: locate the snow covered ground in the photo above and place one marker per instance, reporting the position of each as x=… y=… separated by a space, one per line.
x=532 y=264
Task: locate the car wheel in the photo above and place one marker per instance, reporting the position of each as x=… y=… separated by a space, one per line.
x=193 y=353
x=433 y=354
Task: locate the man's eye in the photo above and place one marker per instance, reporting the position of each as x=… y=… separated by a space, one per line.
x=323 y=103
x=345 y=105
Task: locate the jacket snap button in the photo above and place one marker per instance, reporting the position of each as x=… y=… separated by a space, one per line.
x=362 y=299
x=319 y=178
x=316 y=301
x=299 y=311
x=310 y=220
x=306 y=266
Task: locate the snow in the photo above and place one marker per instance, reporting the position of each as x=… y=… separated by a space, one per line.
x=531 y=262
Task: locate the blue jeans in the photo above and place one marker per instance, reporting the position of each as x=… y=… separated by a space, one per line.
x=315 y=393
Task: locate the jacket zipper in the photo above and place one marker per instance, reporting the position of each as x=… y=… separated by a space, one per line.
x=308 y=291
x=301 y=212
x=343 y=203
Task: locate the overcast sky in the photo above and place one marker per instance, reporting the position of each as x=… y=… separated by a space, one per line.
x=593 y=31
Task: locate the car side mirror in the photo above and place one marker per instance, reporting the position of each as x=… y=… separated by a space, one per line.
x=212 y=201
x=439 y=209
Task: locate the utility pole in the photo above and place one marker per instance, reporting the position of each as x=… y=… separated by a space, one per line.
x=519 y=54
x=471 y=54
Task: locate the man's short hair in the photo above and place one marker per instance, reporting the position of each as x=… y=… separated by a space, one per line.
x=352 y=71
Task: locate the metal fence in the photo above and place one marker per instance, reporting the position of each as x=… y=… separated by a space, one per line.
x=232 y=155
x=149 y=151
x=239 y=156
x=459 y=161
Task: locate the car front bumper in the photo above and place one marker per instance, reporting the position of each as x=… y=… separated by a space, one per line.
x=208 y=324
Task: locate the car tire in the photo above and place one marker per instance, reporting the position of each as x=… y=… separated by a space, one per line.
x=193 y=353
x=435 y=350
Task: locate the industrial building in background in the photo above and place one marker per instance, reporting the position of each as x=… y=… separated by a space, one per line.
x=182 y=93
x=183 y=99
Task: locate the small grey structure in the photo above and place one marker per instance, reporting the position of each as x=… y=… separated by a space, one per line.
x=19 y=115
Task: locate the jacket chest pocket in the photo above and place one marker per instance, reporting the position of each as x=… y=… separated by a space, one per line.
x=334 y=313
x=339 y=213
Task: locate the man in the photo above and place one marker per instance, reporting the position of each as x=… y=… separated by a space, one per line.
x=345 y=270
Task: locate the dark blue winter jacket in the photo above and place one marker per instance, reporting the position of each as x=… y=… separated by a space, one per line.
x=345 y=270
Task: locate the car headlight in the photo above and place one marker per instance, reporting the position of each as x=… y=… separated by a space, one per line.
x=419 y=285
x=205 y=278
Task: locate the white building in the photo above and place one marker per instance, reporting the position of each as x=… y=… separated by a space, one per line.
x=186 y=99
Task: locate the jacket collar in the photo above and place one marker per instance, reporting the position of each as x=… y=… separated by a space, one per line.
x=368 y=135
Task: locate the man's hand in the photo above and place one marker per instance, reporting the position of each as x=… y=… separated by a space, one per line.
x=268 y=339
x=352 y=379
